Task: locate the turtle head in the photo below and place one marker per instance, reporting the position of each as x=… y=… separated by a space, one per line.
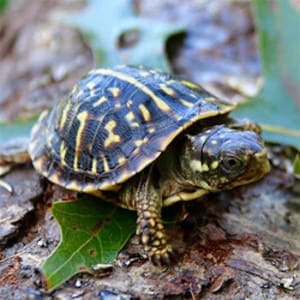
x=221 y=158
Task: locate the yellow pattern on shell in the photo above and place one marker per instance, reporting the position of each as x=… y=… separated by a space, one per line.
x=94 y=165
x=39 y=163
x=139 y=143
x=105 y=163
x=130 y=119
x=112 y=137
x=191 y=85
x=130 y=116
x=82 y=118
x=169 y=91
x=54 y=178
x=62 y=152
x=145 y=112
x=115 y=91
x=64 y=116
x=151 y=129
x=122 y=160
x=186 y=103
x=159 y=102
x=74 y=186
x=91 y=87
x=100 y=101
x=129 y=103
x=144 y=73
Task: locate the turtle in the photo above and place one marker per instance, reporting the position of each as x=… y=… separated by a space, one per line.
x=144 y=139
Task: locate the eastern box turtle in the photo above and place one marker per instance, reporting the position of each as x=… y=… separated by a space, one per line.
x=143 y=139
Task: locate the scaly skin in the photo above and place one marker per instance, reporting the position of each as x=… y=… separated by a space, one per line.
x=149 y=224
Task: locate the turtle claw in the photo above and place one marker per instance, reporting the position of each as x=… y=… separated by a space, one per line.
x=6 y=186
x=164 y=257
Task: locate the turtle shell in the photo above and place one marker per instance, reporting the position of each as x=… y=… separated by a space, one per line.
x=113 y=124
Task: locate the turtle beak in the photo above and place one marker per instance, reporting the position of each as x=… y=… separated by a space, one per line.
x=262 y=159
x=259 y=167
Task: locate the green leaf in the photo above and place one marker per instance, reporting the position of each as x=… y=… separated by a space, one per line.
x=3 y=5
x=92 y=233
x=106 y=22
x=297 y=166
x=275 y=107
x=17 y=129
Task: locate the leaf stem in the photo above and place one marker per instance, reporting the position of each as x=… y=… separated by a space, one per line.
x=281 y=130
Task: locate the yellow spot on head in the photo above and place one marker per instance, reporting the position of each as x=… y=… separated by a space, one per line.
x=205 y=167
x=115 y=91
x=196 y=165
x=145 y=112
x=112 y=138
x=214 y=165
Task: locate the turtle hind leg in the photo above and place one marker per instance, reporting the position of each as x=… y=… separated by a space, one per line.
x=149 y=224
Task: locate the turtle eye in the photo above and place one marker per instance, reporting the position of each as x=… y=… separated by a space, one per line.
x=232 y=163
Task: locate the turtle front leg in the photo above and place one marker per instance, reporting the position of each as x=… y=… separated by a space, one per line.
x=149 y=224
